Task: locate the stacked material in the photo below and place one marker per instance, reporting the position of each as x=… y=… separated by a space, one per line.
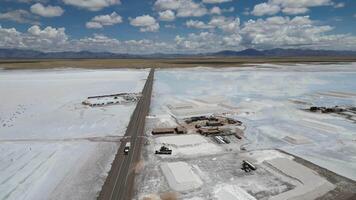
x=180 y=176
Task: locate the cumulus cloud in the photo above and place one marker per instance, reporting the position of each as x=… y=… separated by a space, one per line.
x=19 y=16
x=198 y=24
x=284 y=32
x=167 y=15
x=93 y=5
x=202 y=42
x=216 y=1
x=265 y=9
x=46 y=11
x=10 y=38
x=104 y=20
x=218 y=11
x=146 y=23
x=229 y=25
x=272 y=32
x=28 y=1
x=183 y=8
x=215 y=10
x=219 y=33
x=47 y=39
x=51 y=39
x=290 y=7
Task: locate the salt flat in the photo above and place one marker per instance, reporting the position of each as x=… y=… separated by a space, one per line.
x=269 y=100
x=52 y=146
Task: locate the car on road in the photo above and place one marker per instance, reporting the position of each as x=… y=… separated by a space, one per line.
x=127 y=148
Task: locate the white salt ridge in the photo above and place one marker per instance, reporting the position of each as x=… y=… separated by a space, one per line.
x=231 y=192
x=180 y=176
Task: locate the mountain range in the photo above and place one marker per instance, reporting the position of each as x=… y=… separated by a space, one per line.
x=278 y=52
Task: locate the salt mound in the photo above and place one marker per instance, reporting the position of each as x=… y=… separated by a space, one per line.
x=232 y=192
x=180 y=176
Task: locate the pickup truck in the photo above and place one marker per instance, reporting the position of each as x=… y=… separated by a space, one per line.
x=127 y=148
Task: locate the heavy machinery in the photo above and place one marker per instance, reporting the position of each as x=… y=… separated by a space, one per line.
x=164 y=150
x=247 y=166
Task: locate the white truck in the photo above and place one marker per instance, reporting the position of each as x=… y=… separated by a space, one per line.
x=127 y=148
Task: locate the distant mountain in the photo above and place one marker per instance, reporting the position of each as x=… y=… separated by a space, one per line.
x=284 y=53
x=30 y=54
x=246 y=52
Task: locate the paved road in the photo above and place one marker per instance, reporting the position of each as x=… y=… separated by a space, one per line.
x=119 y=184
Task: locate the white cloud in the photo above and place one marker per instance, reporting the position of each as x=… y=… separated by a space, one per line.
x=216 y=1
x=202 y=42
x=339 y=5
x=93 y=5
x=265 y=9
x=10 y=38
x=183 y=8
x=198 y=24
x=215 y=10
x=29 y=1
x=233 y=40
x=301 y=3
x=93 y=25
x=47 y=39
x=46 y=11
x=167 y=4
x=228 y=25
x=295 y=11
x=290 y=7
x=283 y=32
x=52 y=35
x=19 y=16
x=146 y=23
x=219 y=33
x=167 y=15
x=272 y=32
x=104 y=20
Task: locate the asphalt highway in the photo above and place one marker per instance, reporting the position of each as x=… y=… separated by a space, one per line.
x=119 y=184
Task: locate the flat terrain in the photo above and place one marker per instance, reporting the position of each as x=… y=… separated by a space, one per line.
x=270 y=100
x=52 y=146
x=161 y=63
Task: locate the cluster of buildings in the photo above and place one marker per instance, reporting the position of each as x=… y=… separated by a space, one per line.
x=111 y=99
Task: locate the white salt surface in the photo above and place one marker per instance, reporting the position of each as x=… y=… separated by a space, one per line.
x=231 y=192
x=312 y=186
x=263 y=94
x=52 y=147
x=180 y=176
x=52 y=100
x=188 y=145
x=260 y=156
x=182 y=140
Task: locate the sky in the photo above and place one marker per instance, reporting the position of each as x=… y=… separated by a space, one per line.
x=176 y=26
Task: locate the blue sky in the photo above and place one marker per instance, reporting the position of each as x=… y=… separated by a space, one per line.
x=176 y=26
